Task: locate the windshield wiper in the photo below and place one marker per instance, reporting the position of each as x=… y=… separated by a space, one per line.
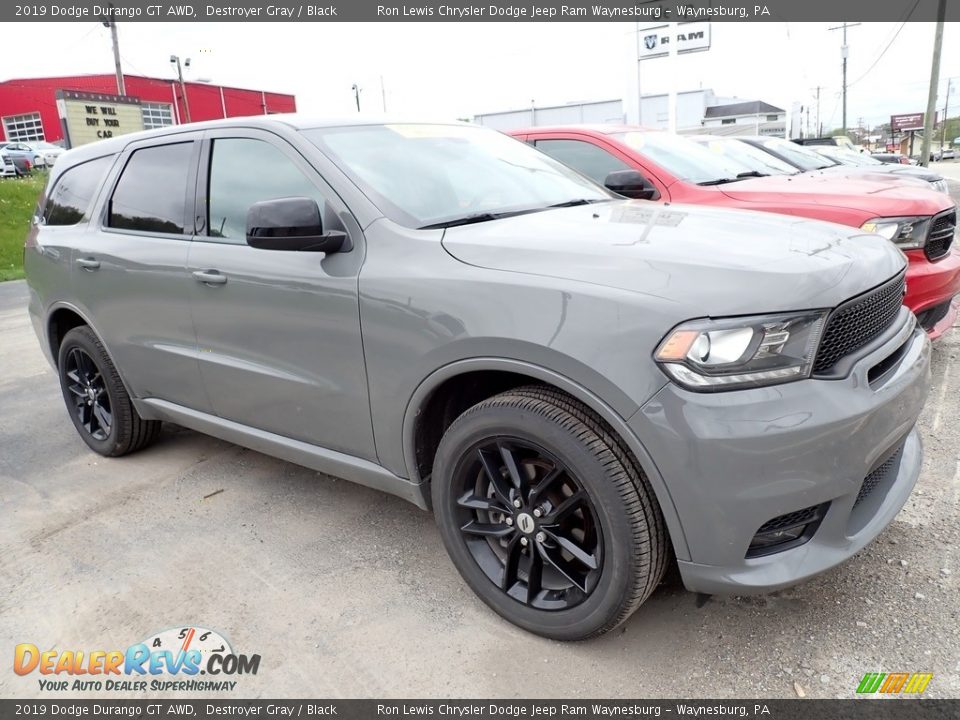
x=753 y=173
x=477 y=218
x=578 y=201
x=718 y=181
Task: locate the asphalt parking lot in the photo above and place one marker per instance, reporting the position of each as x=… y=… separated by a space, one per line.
x=345 y=592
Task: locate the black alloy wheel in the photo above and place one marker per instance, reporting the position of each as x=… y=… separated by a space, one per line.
x=96 y=398
x=88 y=391
x=528 y=523
x=546 y=515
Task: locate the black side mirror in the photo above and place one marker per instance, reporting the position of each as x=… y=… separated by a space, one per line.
x=631 y=184
x=292 y=224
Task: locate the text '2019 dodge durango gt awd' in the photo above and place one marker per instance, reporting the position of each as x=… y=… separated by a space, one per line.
x=582 y=388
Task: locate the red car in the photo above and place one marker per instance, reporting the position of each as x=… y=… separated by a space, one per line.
x=655 y=165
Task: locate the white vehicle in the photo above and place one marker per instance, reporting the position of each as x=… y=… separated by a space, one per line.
x=48 y=151
x=7 y=168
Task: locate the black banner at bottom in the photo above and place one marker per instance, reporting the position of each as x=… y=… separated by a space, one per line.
x=193 y=709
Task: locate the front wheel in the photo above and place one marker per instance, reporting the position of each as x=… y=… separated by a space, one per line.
x=96 y=399
x=546 y=516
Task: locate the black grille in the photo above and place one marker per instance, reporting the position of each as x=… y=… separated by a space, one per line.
x=790 y=520
x=940 y=236
x=857 y=322
x=931 y=316
x=877 y=476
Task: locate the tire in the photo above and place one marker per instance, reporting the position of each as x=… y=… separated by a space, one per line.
x=97 y=401
x=616 y=525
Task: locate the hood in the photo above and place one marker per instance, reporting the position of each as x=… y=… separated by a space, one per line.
x=886 y=198
x=690 y=261
x=885 y=172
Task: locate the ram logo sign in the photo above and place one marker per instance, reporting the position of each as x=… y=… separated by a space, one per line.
x=688 y=37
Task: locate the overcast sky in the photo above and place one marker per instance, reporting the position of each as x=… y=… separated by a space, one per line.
x=449 y=70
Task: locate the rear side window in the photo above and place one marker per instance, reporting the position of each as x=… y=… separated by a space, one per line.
x=151 y=193
x=596 y=163
x=70 y=200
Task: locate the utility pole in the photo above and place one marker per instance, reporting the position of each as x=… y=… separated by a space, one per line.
x=946 y=116
x=112 y=24
x=383 y=94
x=356 y=94
x=183 y=86
x=818 y=88
x=844 y=53
x=934 y=81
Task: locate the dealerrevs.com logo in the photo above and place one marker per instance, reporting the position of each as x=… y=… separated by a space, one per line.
x=171 y=660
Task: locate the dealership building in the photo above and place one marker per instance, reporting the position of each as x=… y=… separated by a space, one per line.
x=74 y=110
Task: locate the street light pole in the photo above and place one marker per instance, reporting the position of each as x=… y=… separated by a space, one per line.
x=356 y=94
x=946 y=116
x=183 y=86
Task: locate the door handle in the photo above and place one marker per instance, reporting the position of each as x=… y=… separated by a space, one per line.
x=89 y=264
x=210 y=277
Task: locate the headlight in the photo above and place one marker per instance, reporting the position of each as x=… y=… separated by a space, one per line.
x=907 y=233
x=733 y=353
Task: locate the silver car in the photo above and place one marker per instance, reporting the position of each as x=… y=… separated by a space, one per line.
x=583 y=389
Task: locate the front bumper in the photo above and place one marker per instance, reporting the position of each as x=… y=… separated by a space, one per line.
x=931 y=284
x=734 y=461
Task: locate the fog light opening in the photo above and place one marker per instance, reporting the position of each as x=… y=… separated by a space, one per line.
x=786 y=531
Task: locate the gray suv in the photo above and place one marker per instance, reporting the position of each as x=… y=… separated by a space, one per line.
x=583 y=389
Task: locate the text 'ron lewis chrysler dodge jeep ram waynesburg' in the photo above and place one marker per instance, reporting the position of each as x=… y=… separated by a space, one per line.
x=583 y=388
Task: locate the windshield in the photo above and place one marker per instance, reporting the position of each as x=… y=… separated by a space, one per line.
x=682 y=157
x=797 y=155
x=423 y=175
x=847 y=157
x=747 y=155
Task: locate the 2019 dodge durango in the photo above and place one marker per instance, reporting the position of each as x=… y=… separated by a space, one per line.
x=582 y=388
x=672 y=168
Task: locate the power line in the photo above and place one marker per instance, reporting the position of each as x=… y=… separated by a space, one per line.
x=892 y=40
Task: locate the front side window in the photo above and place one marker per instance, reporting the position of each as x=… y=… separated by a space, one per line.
x=245 y=171
x=70 y=200
x=429 y=175
x=594 y=162
x=151 y=193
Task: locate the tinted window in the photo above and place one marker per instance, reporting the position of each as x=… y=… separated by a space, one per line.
x=70 y=200
x=594 y=162
x=150 y=195
x=245 y=171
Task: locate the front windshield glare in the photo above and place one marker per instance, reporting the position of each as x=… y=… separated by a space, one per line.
x=421 y=175
x=754 y=158
x=806 y=159
x=682 y=157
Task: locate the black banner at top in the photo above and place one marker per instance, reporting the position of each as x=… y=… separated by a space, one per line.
x=647 y=11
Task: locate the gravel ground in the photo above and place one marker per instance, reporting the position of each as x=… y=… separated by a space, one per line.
x=345 y=592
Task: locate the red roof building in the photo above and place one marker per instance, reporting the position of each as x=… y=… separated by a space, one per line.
x=28 y=107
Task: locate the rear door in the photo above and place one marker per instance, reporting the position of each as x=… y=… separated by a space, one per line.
x=278 y=331
x=130 y=273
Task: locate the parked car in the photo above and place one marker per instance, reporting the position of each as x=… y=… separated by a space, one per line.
x=947 y=154
x=22 y=150
x=22 y=165
x=7 y=168
x=895 y=158
x=581 y=387
x=836 y=141
x=48 y=151
x=672 y=168
x=845 y=162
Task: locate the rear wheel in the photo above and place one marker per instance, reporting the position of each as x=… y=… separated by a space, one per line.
x=546 y=516
x=96 y=399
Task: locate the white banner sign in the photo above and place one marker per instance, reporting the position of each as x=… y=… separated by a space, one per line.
x=689 y=37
